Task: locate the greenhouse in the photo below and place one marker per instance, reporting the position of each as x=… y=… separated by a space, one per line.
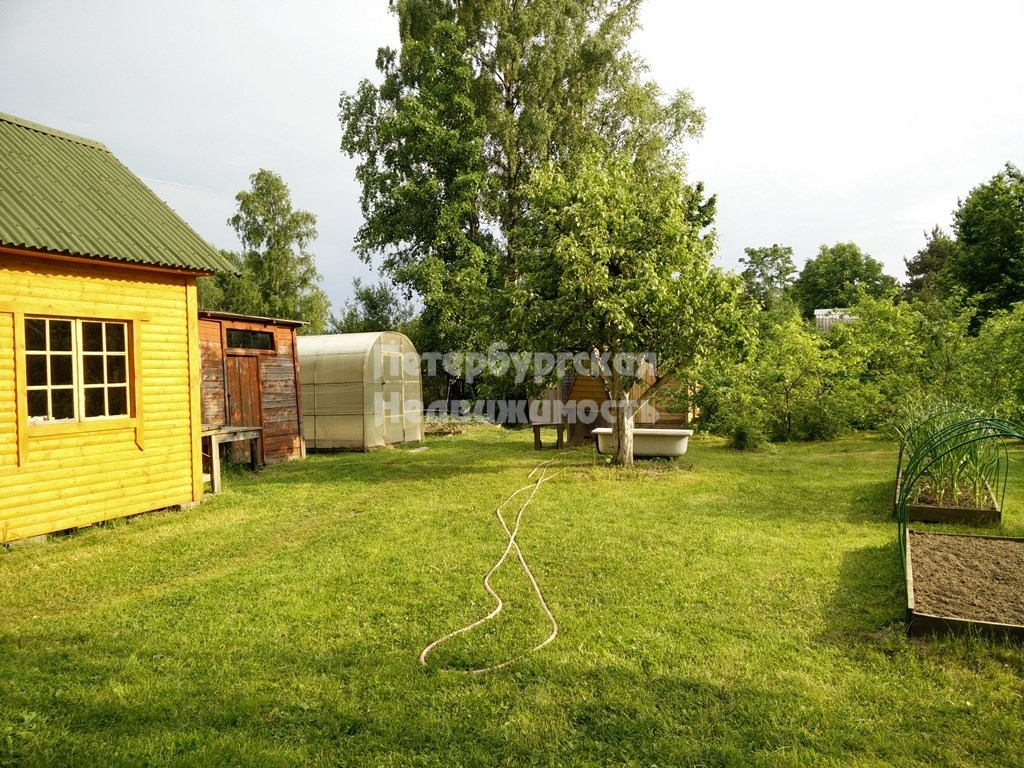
x=360 y=391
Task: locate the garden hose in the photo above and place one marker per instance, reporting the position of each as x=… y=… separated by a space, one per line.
x=512 y=544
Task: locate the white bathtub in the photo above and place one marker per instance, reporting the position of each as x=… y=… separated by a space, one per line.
x=647 y=442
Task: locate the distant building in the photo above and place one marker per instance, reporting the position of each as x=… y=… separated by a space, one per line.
x=826 y=318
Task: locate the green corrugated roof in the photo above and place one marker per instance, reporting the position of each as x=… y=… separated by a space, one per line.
x=63 y=194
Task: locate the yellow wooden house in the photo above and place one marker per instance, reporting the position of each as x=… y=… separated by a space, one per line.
x=99 y=342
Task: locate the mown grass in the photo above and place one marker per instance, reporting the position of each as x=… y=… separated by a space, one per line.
x=725 y=609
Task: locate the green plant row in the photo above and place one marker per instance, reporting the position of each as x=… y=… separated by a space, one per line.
x=959 y=463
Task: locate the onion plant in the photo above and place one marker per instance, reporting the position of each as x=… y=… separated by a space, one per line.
x=965 y=458
x=922 y=422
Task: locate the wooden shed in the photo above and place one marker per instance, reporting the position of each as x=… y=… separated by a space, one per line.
x=99 y=338
x=584 y=396
x=250 y=378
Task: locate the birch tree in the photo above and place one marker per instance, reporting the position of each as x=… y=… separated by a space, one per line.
x=478 y=96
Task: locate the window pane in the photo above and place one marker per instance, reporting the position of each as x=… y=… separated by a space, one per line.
x=60 y=370
x=63 y=403
x=92 y=337
x=35 y=375
x=118 y=397
x=240 y=338
x=60 y=335
x=95 y=403
x=37 y=403
x=117 y=370
x=35 y=334
x=93 y=369
x=115 y=337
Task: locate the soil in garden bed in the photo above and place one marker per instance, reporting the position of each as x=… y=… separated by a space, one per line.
x=968 y=577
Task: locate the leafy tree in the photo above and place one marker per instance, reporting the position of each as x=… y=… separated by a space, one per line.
x=478 y=97
x=895 y=352
x=421 y=146
x=884 y=362
x=834 y=276
x=989 y=225
x=232 y=291
x=925 y=270
x=276 y=277
x=376 y=307
x=781 y=389
x=617 y=261
x=209 y=293
x=796 y=383
x=944 y=341
x=768 y=274
x=994 y=361
x=800 y=374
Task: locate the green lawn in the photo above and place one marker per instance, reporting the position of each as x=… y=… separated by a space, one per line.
x=725 y=609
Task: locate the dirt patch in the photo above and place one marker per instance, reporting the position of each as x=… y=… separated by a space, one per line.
x=968 y=577
x=643 y=469
x=443 y=428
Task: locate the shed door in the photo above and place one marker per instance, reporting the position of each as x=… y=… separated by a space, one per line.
x=244 y=402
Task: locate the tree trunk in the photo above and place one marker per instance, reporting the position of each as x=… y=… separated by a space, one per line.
x=622 y=428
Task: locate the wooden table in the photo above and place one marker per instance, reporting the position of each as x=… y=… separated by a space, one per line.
x=537 y=445
x=215 y=434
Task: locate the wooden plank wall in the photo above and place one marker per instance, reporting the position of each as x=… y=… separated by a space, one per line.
x=211 y=352
x=592 y=388
x=282 y=418
x=67 y=475
x=586 y=388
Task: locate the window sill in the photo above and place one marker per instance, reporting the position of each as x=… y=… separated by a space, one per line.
x=116 y=424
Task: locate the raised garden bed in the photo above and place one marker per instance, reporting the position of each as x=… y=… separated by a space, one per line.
x=960 y=583
x=925 y=509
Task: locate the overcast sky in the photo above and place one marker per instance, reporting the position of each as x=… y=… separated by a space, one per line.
x=827 y=122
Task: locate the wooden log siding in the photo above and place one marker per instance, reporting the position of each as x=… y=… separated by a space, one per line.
x=8 y=423
x=278 y=387
x=70 y=474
